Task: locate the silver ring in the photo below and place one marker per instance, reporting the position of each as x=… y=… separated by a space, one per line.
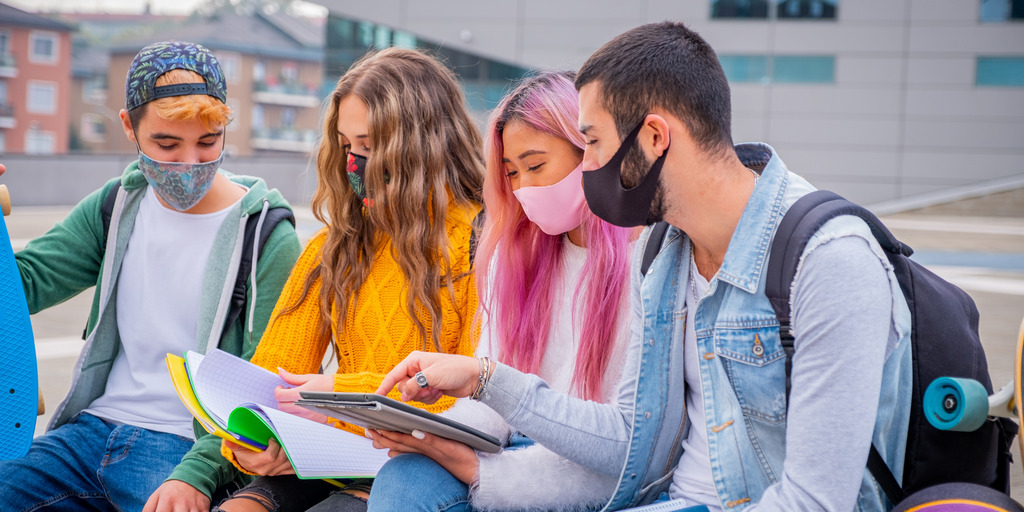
x=421 y=380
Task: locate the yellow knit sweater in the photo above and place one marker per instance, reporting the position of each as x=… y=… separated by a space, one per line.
x=377 y=332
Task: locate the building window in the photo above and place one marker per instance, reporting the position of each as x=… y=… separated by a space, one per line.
x=804 y=69
x=483 y=80
x=39 y=142
x=42 y=97
x=745 y=68
x=1001 y=10
x=93 y=128
x=3 y=142
x=1000 y=71
x=259 y=71
x=404 y=40
x=233 y=105
x=5 y=43
x=43 y=47
x=782 y=9
x=258 y=118
x=807 y=9
x=739 y=9
x=783 y=69
x=229 y=63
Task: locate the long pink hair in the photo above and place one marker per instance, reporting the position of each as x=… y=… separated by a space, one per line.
x=525 y=262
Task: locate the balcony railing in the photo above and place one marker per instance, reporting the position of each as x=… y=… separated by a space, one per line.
x=285 y=94
x=283 y=139
x=8 y=66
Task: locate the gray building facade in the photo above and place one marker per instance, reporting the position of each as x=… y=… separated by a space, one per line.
x=877 y=99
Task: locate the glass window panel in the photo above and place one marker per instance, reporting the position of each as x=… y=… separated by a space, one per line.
x=745 y=68
x=807 y=9
x=42 y=97
x=1000 y=71
x=404 y=39
x=364 y=35
x=1001 y=10
x=501 y=71
x=804 y=69
x=739 y=8
x=382 y=39
x=340 y=32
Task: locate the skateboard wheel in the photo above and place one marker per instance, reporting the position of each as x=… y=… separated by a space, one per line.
x=5 y=201
x=960 y=405
x=958 y=497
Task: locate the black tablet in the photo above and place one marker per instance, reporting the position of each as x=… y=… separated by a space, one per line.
x=382 y=413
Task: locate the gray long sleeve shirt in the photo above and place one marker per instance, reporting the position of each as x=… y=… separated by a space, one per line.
x=842 y=313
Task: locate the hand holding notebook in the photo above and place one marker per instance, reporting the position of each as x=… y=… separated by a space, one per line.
x=234 y=399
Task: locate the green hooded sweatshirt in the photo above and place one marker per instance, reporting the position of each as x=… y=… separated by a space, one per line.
x=71 y=257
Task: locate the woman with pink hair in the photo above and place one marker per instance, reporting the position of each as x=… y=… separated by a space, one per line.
x=553 y=304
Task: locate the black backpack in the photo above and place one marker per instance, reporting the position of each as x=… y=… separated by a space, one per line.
x=270 y=221
x=944 y=343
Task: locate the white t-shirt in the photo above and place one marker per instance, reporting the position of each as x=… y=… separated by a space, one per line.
x=559 y=362
x=158 y=294
x=692 y=479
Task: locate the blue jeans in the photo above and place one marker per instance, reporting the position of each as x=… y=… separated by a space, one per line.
x=413 y=482
x=89 y=464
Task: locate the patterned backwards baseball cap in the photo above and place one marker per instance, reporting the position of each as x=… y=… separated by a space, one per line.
x=159 y=58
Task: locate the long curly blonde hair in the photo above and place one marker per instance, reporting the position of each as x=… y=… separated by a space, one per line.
x=420 y=133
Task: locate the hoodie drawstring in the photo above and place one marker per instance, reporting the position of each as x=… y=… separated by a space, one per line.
x=252 y=270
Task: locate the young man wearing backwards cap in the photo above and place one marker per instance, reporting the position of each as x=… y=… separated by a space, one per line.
x=121 y=439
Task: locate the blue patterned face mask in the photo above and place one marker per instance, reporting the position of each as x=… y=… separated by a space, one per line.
x=181 y=185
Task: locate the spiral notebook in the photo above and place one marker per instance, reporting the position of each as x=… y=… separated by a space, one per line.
x=234 y=399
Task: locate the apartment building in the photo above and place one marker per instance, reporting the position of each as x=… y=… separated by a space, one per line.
x=273 y=67
x=35 y=81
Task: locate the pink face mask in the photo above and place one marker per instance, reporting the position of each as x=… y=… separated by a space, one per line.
x=557 y=208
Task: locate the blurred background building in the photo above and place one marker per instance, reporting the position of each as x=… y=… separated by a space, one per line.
x=35 y=83
x=881 y=100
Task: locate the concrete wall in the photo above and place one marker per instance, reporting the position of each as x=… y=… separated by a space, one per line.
x=903 y=117
x=66 y=179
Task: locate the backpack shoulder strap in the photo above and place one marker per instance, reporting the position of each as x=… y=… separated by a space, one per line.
x=107 y=210
x=798 y=225
x=238 y=295
x=653 y=246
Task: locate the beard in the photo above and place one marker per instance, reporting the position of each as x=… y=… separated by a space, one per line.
x=634 y=169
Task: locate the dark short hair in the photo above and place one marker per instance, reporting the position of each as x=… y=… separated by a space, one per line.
x=663 y=65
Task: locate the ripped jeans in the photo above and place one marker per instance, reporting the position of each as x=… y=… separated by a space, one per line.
x=288 y=493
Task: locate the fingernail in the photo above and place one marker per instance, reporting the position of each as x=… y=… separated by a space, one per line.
x=418 y=434
x=368 y=433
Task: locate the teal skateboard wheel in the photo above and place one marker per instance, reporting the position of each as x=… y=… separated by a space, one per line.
x=956 y=404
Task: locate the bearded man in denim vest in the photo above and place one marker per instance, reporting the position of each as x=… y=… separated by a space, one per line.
x=702 y=413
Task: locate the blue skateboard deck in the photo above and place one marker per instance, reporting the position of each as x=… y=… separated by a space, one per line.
x=19 y=385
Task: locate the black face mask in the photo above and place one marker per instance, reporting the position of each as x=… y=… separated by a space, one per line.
x=617 y=205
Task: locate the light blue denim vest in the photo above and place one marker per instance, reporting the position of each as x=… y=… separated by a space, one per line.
x=743 y=387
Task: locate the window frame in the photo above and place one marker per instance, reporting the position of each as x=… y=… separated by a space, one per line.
x=36 y=58
x=29 y=106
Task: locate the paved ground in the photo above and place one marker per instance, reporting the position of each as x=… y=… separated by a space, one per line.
x=976 y=244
